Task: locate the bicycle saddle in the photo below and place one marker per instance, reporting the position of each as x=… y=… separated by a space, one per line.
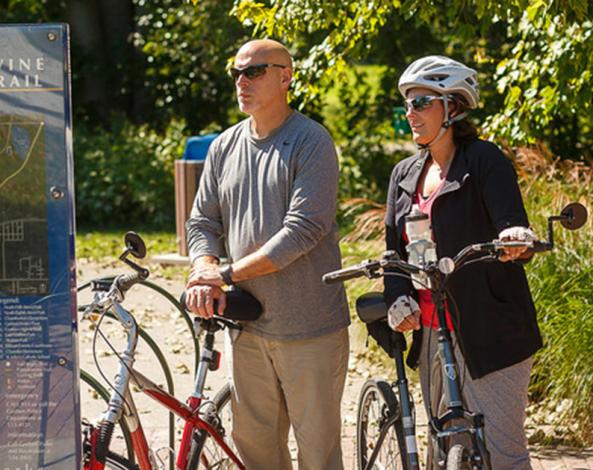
x=371 y=307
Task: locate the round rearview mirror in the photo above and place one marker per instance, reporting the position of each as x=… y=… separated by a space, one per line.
x=135 y=245
x=574 y=216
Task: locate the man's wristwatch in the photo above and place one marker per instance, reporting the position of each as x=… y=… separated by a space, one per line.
x=226 y=272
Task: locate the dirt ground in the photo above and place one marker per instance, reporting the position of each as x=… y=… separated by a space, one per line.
x=166 y=326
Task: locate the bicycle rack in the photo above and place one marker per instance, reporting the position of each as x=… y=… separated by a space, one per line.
x=96 y=385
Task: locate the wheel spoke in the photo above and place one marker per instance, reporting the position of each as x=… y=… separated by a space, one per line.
x=373 y=412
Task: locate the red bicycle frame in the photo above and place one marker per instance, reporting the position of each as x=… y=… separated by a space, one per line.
x=187 y=412
x=121 y=403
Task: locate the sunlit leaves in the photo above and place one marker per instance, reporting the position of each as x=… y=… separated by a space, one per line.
x=545 y=78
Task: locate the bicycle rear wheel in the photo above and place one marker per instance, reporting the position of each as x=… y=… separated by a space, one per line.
x=205 y=453
x=378 y=425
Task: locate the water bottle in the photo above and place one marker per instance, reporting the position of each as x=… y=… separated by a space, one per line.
x=421 y=249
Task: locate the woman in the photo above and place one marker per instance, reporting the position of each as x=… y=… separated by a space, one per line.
x=469 y=191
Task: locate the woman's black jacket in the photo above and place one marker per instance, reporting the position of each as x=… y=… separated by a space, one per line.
x=496 y=321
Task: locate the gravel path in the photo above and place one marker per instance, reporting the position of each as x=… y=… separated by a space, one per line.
x=160 y=319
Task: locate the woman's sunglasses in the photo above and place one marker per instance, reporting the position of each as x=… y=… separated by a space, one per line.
x=420 y=103
x=253 y=71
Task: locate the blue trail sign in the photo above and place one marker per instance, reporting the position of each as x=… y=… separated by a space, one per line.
x=39 y=404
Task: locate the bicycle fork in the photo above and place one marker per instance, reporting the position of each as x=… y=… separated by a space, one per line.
x=121 y=405
x=480 y=457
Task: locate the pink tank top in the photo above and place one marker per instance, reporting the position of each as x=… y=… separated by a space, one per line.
x=428 y=314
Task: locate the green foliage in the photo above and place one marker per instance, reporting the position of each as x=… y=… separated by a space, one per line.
x=125 y=175
x=343 y=28
x=186 y=49
x=541 y=49
x=547 y=82
x=358 y=118
x=30 y=11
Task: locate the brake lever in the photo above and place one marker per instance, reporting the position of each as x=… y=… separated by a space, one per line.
x=372 y=273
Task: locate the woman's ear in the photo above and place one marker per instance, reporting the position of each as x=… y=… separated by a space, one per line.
x=454 y=108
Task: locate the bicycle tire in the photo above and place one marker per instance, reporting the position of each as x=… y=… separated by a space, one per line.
x=458 y=458
x=117 y=462
x=377 y=408
x=204 y=453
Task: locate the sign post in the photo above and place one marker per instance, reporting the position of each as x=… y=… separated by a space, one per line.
x=39 y=396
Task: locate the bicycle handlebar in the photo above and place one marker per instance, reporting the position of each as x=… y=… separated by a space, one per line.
x=125 y=281
x=370 y=268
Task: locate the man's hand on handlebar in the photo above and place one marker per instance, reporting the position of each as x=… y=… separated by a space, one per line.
x=202 y=300
x=205 y=274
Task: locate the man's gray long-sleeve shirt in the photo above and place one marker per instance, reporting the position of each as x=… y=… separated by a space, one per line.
x=276 y=194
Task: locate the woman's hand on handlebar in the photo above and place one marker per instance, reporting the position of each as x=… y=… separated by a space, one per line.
x=202 y=300
x=404 y=314
x=521 y=234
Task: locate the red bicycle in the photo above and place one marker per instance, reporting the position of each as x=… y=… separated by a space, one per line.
x=205 y=442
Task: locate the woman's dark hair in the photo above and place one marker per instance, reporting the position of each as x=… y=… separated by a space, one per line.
x=463 y=131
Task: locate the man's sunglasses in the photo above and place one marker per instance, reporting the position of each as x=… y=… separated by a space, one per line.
x=420 y=103
x=253 y=71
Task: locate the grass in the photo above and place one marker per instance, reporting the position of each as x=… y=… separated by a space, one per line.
x=562 y=286
x=99 y=245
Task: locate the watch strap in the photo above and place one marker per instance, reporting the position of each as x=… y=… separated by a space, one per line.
x=226 y=272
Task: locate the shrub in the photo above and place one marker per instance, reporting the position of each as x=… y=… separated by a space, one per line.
x=561 y=283
x=125 y=175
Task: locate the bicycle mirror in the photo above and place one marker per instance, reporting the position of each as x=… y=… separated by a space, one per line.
x=135 y=245
x=574 y=216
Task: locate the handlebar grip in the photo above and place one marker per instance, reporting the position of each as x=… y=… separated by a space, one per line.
x=539 y=246
x=342 y=275
x=126 y=281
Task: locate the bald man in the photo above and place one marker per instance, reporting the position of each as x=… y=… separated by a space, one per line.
x=269 y=190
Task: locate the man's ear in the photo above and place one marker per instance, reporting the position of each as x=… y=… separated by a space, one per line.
x=286 y=77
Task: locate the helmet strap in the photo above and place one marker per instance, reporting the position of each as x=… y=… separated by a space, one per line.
x=447 y=122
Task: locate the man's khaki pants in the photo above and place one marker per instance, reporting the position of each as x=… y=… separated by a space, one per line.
x=279 y=383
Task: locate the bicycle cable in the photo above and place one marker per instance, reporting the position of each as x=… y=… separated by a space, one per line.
x=96 y=361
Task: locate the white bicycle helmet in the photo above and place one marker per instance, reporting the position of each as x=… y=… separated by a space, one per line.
x=443 y=75
x=447 y=77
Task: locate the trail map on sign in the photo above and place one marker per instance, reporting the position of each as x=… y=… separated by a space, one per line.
x=23 y=211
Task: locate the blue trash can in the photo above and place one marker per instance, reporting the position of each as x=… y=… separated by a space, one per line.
x=196 y=147
x=187 y=176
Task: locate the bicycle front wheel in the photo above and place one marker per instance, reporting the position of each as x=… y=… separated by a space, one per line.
x=458 y=458
x=205 y=453
x=117 y=462
x=380 y=442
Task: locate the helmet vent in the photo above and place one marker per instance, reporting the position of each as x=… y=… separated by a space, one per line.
x=437 y=78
